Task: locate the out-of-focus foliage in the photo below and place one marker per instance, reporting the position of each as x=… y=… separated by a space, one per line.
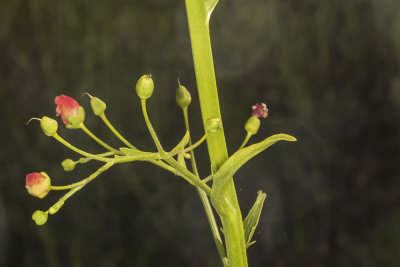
x=328 y=70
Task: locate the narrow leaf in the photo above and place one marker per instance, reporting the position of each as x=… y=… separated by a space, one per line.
x=210 y=5
x=237 y=160
x=251 y=221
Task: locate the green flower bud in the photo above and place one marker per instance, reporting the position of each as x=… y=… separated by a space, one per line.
x=75 y=121
x=49 y=126
x=68 y=165
x=145 y=86
x=183 y=97
x=98 y=106
x=252 y=125
x=213 y=125
x=40 y=217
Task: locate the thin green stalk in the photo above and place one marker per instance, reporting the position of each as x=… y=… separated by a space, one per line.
x=95 y=138
x=206 y=84
x=79 y=151
x=150 y=127
x=205 y=200
x=248 y=135
x=115 y=132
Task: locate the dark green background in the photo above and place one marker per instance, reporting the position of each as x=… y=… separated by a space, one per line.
x=328 y=71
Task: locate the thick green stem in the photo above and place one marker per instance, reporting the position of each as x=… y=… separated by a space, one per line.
x=206 y=84
x=205 y=200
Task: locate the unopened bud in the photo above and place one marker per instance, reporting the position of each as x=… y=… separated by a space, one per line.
x=98 y=106
x=252 y=125
x=183 y=97
x=213 y=125
x=49 y=126
x=40 y=217
x=68 y=165
x=145 y=86
x=38 y=184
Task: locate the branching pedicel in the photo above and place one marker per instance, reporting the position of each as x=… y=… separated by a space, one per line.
x=73 y=116
x=220 y=195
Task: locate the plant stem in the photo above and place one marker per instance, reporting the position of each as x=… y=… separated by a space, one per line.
x=248 y=135
x=206 y=84
x=205 y=200
x=79 y=151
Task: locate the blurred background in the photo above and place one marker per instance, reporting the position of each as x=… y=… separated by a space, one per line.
x=328 y=71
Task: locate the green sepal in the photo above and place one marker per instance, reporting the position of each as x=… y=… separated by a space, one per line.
x=139 y=155
x=75 y=121
x=252 y=219
x=237 y=160
x=98 y=105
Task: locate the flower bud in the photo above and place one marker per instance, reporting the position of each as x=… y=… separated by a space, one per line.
x=252 y=125
x=183 y=97
x=145 y=86
x=68 y=165
x=40 y=217
x=38 y=184
x=49 y=126
x=213 y=125
x=98 y=106
x=72 y=114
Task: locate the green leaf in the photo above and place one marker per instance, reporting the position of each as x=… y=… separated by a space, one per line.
x=210 y=5
x=237 y=160
x=251 y=221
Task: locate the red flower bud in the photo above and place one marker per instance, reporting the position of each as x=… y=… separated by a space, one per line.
x=38 y=184
x=72 y=114
x=260 y=111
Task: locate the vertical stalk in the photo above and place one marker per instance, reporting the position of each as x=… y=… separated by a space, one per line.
x=231 y=218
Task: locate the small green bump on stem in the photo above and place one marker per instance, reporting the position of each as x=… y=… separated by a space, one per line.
x=213 y=125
